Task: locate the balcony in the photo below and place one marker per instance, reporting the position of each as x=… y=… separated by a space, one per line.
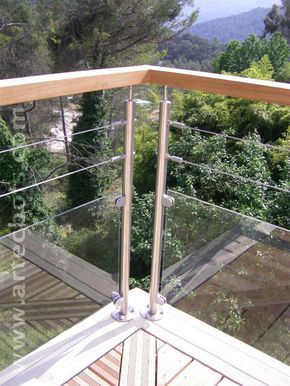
x=226 y=321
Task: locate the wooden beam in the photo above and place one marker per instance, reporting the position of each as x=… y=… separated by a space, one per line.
x=39 y=87
x=254 y=89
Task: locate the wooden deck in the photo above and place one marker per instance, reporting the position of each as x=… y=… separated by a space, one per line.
x=145 y=360
x=60 y=291
x=253 y=287
x=177 y=350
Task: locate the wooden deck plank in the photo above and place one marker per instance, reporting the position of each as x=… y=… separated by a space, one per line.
x=72 y=382
x=67 y=270
x=201 y=265
x=95 y=378
x=259 y=284
x=88 y=381
x=279 y=336
x=69 y=262
x=196 y=374
x=257 y=322
x=227 y=382
x=159 y=344
x=63 y=255
x=138 y=361
x=104 y=372
x=80 y=381
x=170 y=362
x=28 y=272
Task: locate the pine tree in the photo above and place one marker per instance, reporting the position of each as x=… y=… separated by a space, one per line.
x=278 y=19
x=18 y=169
x=88 y=149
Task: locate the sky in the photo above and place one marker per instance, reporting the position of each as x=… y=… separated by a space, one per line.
x=212 y=9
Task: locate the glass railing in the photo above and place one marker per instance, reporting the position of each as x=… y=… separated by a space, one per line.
x=56 y=273
x=229 y=270
x=224 y=268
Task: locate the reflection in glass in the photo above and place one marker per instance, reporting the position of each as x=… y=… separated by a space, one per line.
x=230 y=271
x=54 y=274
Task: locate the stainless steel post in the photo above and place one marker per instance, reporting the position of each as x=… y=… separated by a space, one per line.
x=154 y=312
x=125 y=312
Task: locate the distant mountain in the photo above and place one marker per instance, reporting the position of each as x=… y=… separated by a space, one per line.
x=236 y=27
x=212 y=9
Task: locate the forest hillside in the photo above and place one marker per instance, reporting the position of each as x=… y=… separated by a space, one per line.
x=235 y=27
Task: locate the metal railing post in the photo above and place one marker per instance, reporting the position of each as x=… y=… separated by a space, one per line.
x=154 y=311
x=124 y=312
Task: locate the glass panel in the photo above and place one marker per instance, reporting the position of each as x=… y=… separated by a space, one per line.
x=56 y=273
x=56 y=156
x=230 y=271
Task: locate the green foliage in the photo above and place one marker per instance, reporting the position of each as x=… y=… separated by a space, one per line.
x=230 y=320
x=19 y=169
x=145 y=159
x=92 y=233
x=278 y=19
x=142 y=236
x=245 y=159
x=89 y=149
x=272 y=20
x=238 y=57
x=22 y=45
x=236 y=116
x=208 y=111
x=284 y=74
x=143 y=283
x=190 y=52
x=262 y=69
x=142 y=233
x=88 y=34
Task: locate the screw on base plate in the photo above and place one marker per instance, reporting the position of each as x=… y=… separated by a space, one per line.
x=117 y=315
x=147 y=315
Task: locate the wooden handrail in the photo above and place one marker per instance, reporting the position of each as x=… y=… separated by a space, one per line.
x=26 y=89
x=39 y=87
x=235 y=86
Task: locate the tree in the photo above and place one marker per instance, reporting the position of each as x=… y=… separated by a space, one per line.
x=190 y=52
x=88 y=149
x=284 y=74
x=23 y=47
x=91 y=34
x=278 y=19
x=237 y=56
x=273 y=20
x=18 y=169
x=229 y=60
x=262 y=69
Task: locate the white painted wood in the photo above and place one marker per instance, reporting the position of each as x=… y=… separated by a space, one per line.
x=227 y=382
x=75 y=349
x=159 y=344
x=170 y=362
x=196 y=374
x=138 y=361
x=69 y=353
x=221 y=352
